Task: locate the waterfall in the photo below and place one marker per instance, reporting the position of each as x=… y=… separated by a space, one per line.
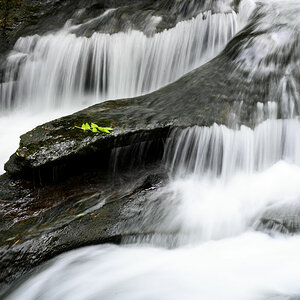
x=223 y=179
x=203 y=242
x=219 y=151
x=59 y=69
x=48 y=76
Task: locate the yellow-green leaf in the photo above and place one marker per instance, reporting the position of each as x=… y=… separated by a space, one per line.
x=93 y=125
x=94 y=128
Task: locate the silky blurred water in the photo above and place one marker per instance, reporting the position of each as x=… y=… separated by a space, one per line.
x=220 y=257
x=222 y=181
x=63 y=72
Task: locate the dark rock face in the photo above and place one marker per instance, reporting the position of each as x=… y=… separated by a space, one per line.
x=88 y=209
x=132 y=15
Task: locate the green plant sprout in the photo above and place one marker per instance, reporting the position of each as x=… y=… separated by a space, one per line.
x=94 y=128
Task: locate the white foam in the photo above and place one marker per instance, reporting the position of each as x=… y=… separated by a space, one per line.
x=252 y=266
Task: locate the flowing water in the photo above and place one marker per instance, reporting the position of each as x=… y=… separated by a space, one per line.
x=65 y=72
x=110 y=66
x=222 y=181
x=210 y=209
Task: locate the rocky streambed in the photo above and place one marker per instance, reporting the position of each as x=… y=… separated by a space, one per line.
x=57 y=193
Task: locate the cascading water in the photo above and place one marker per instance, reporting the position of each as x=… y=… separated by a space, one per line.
x=222 y=180
x=56 y=74
x=110 y=66
x=222 y=152
x=270 y=54
x=209 y=208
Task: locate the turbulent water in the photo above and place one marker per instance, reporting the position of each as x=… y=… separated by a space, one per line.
x=222 y=180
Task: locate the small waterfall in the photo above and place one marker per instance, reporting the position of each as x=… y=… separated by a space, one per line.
x=56 y=69
x=222 y=181
x=221 y=152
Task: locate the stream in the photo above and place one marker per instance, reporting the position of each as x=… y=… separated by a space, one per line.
x=208 y=241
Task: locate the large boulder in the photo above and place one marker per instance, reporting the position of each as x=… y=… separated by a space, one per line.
x=205 y=96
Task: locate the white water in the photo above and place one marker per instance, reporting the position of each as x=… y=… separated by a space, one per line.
x=60 y=71
x=271 y=54
x=252 y=266
x=222 y=181
x=60 y=66
x=222 y=152
x=220 y=256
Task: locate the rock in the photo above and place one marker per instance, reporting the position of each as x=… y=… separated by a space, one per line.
x=202 y=97
x=280 y=218
x=88 y=209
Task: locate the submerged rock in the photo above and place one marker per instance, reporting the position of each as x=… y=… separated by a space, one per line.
x=281 y=218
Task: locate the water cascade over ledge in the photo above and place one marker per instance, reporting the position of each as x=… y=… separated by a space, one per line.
x=56 y=69
x=56 y=74
x=207 y=213
x=204 y=239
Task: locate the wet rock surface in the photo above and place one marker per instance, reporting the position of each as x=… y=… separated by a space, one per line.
x=89 y=209
x=284 y=219
x=40 y=219
x=205 y=96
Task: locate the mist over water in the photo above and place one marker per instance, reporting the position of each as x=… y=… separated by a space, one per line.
x=222 y=181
